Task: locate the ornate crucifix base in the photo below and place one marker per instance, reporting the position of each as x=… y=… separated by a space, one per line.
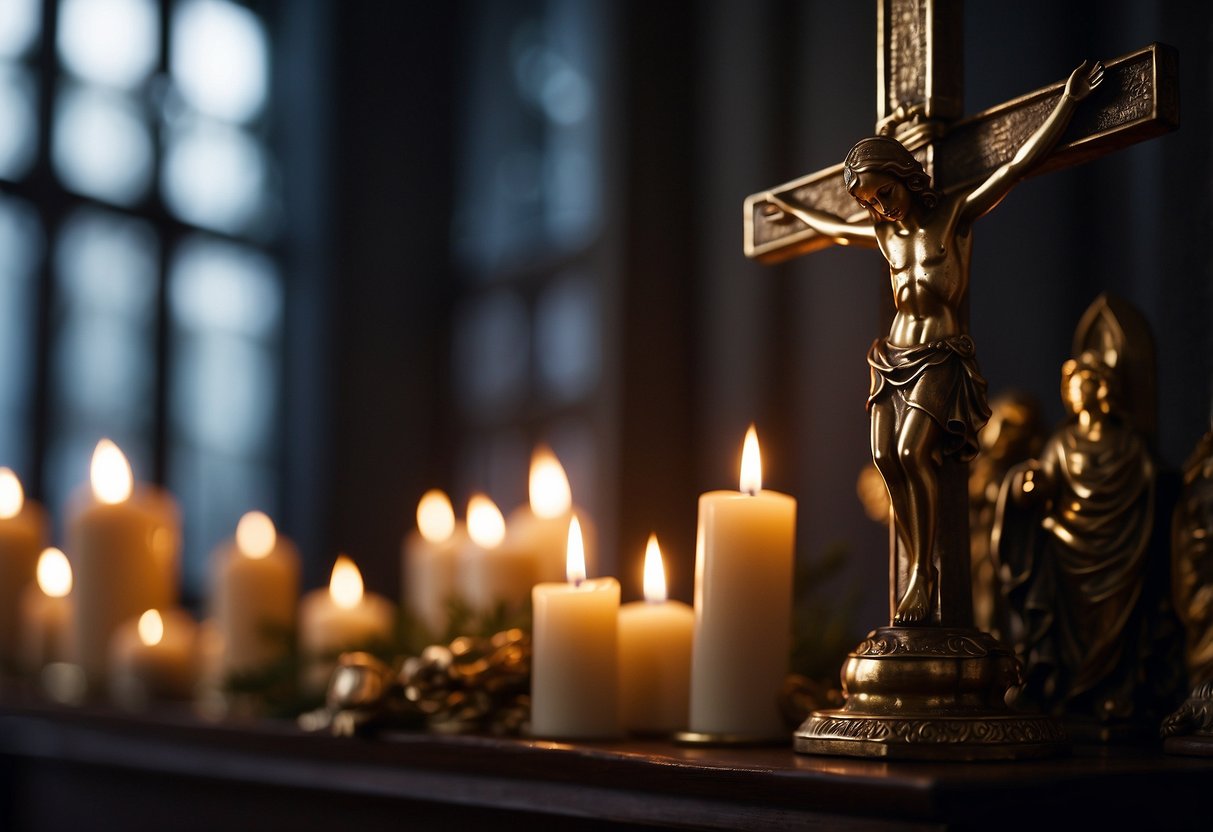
x=930 y=693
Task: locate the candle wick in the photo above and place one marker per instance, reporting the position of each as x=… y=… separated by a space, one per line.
x=753 y=492
x=577 y=583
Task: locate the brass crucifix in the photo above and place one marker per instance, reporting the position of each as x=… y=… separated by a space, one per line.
x=913 y=193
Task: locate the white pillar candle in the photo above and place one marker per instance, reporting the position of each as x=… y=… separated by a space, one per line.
x=122 y=542
x=541 y=528
x=255 y=595
x=743 y=599
x=337 y=619
x=493 y=577
x=654 y=655
x=429 y=567
x=152 y=657
x=22 y=536
x=574 y=665
x=46 y=613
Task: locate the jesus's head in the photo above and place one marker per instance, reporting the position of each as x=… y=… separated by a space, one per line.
x=882 y=176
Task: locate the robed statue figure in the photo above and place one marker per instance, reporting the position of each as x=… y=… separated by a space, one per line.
x=928 y=399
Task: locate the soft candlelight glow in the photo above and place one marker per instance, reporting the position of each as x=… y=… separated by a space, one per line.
x=549 y=485
x=256 y=536
x=54 y=573
x=12 y=496
x=486 y=526
x=751 y=463
x=345 y=585
x=574 y=560
x=435 y=516
x=110 y=474
x=654 y=572
x=151 y=628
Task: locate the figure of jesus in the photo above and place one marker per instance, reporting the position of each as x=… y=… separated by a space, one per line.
x=927 y=397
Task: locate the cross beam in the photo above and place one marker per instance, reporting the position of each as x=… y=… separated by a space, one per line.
x=1138 y=100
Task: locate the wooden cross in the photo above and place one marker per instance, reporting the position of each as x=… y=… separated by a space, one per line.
x=919 y=99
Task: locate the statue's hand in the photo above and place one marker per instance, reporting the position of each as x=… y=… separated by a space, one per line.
x=1026 y=482
x=1085 y=78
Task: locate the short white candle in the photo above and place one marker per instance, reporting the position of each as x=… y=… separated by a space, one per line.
x=655 y=655
x=337 y=619
x=256 y=592
x=152 y=657
x=491 y=576
x=429 y=568
x=574 y=666
x=122 y=542
x=541 y=528
x=743 y=603
x=46 y=613
x=22 y=537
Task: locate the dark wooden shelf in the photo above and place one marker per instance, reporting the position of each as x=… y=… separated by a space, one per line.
x=87 y=768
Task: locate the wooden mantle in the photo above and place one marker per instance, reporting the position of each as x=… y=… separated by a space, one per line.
x=93 y=769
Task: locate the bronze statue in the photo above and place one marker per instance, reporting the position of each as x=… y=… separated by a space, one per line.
x=927 y=398
x=1072 y=536
x=1192 y=562
x=1014 y=433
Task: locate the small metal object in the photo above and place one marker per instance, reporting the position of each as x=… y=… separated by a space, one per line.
x=1189 y=730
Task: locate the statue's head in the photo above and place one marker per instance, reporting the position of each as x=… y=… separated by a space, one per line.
x=882 y=175
x=1088 y=383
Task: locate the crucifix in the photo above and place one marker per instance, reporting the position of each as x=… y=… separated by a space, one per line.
x=913 y=192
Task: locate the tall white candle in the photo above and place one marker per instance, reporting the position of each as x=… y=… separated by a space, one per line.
x=492 y=576
x=22 y=536
x=654 y=655
x=338 y=618
x=743 y=598
x=574 y=666
x=430 y=561
x=122 y=542
x=46 y=613
x=541 y=527
x=256 y=592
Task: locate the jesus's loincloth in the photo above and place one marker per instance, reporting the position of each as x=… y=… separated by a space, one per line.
x=941 y=379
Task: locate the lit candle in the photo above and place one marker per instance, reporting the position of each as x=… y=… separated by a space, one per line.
x=654 y=655
x=22 y=536
x=542 y=527
x=493 y=577
x=574 y=666
x=256 y=590
x=340 y=618
x=152 y=657
x=46 y=613
x=743 y=601
x=122 y=542
x=429 y=569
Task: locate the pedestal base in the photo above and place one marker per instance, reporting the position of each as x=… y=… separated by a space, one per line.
x=930 y=693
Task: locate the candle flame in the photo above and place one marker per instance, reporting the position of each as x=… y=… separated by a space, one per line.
x=549 y=485
x=574 y=561
x=12 y=495
x=151 y=628
x=54 y=573
x=751 y=463
x=256 y=536
x=435 y=516
x=111 y=475
x=486 y=526
x=654 y=572
x=345 y=584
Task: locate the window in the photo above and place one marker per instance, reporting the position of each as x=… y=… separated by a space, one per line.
x=140 y=293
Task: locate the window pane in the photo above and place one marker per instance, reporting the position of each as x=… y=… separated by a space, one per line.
x=112 y=42
x=566 y=339
x=214 y=176
x=101 y=146
x=220 y=58
x=20 y=21
x=18 y=121
x=21 y=242
x=492 y=346
x=225 y=288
